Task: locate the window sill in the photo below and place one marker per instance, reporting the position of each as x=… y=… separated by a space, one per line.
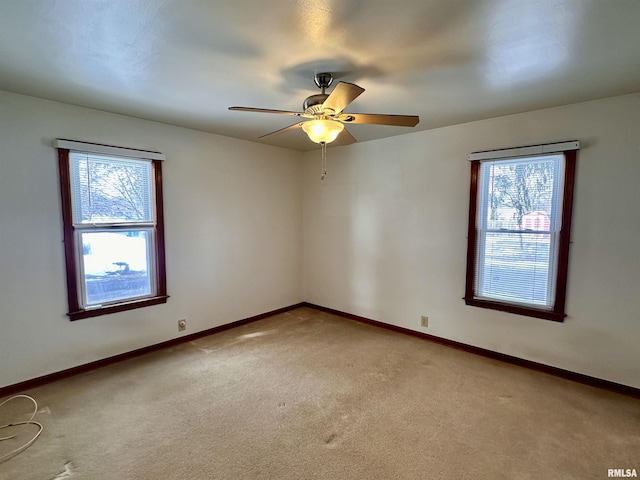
x=118 y=307
x=516 y=309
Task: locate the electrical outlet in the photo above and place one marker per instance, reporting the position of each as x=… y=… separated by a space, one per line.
x=182 y=325
x=424 y=321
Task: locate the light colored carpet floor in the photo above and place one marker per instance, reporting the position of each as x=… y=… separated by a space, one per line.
x=308 y=395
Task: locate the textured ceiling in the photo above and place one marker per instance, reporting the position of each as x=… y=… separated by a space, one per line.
x=184 y=62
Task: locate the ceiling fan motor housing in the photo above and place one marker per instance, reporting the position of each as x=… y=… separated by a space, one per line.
x=313 y=104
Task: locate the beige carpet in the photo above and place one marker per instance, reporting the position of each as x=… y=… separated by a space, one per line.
x=307 y=395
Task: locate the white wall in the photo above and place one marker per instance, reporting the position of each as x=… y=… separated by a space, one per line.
x=233 y=217
x=385 y=236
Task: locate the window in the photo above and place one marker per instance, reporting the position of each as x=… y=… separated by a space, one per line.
x=519 y=227
x=113 y=228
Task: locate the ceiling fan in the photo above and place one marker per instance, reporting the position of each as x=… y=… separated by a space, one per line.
x=325 y=113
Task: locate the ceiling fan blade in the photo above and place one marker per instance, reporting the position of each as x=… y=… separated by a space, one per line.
x=342 y=95
x=283 y=130
x=344 y=138
x=264 y=110
x=380 y=119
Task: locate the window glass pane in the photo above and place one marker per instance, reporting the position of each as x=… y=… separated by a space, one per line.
x=521 y=194
x=116 y=265
x=515 y=267
x=110 y=189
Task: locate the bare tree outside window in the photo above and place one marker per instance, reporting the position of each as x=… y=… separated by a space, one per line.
x=521 y=188
x=113 y=191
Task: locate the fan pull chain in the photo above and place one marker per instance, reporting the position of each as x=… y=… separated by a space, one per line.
x=324 y=160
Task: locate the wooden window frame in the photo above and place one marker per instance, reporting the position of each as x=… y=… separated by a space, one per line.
x=76 y=312
x=557 y=313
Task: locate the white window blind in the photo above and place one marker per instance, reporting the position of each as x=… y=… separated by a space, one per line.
x=110 y=189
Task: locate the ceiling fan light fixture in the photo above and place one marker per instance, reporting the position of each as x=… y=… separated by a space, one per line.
x=322 y=131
